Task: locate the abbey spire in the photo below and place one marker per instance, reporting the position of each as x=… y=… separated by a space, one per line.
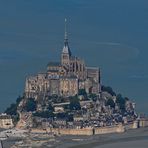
x=66 y=48
x=66 y=53
x=65 y=35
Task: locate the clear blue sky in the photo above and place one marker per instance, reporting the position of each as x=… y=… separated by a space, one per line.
x=111 y=34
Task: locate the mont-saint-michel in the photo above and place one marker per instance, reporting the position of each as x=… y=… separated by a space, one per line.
x=69 y=98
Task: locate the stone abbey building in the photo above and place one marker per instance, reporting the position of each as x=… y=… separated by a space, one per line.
x=64 y=78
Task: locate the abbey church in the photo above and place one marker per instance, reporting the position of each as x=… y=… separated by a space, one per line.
x=64 y=78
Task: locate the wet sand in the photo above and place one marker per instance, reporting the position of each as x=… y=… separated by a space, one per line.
x=129 y=144
x=131 y=139
x=137 y=138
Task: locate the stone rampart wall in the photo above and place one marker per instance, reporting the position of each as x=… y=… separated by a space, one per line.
x=84 y=131
x=105 y=130
x=88 y=131
x=143 y=122
x=128 y=126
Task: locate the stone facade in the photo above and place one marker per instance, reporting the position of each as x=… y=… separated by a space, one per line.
x=143 y=122
x=6 y=121
x=68 y=86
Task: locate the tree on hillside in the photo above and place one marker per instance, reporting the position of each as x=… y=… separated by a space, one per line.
x=93 y=97
x=44 y=114
x=50 y=108
x=111 y=103
x=121 y=101
x=82 y=92
x=126 y=98
x=74 y=103
x=30 y=105
x=109 y=90
x=12 y=109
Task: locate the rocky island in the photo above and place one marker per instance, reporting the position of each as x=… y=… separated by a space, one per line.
x=70 y=99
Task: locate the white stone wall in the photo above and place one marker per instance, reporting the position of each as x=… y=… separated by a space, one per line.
x=6 y=123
